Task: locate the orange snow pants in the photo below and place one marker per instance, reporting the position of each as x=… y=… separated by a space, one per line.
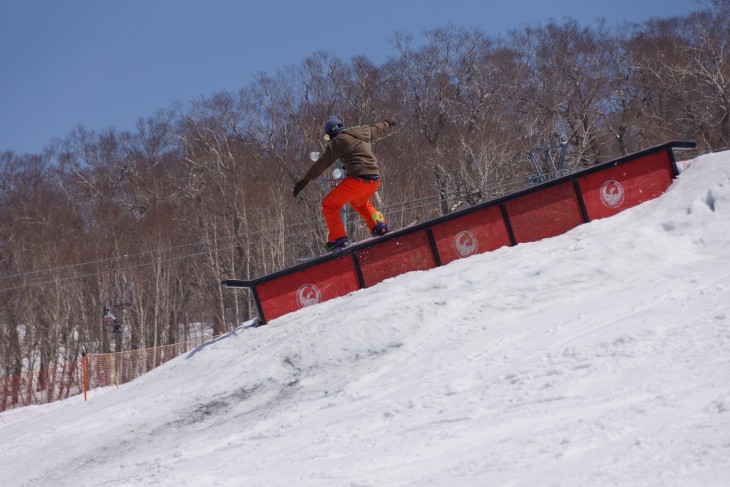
x=357 y=192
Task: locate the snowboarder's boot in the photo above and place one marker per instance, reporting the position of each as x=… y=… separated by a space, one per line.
x=380 y=229
x=337 y=244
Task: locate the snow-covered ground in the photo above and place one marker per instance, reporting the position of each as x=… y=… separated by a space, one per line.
x=600 y=357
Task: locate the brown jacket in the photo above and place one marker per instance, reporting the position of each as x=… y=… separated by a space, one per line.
x=353 y=148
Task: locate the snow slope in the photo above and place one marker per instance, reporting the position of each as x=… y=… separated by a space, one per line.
x=599 y=357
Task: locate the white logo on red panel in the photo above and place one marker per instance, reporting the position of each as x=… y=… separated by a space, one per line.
x=307 y=295
x=612 y=193
x=465 y=244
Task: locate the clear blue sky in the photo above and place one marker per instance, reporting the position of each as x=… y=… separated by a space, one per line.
x=105 y=63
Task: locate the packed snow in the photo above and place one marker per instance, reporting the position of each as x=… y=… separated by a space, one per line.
x=597 y=358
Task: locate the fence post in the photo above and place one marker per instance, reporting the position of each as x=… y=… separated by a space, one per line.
x=115 y=379
x=83 y=366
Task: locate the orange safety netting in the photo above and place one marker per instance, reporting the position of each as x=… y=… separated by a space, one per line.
x=102 y=370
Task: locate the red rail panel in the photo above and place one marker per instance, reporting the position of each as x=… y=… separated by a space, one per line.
x=304 y=288
x=474 y=233
x=546 y=213
x=390 y=258
x=615 y=189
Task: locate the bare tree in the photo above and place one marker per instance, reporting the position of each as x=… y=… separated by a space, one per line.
x=683 y=66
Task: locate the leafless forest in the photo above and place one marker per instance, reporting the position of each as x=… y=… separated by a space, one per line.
x=200 y=193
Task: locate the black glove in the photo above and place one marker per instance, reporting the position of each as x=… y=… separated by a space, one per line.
x=390 y=122
x=299 y=186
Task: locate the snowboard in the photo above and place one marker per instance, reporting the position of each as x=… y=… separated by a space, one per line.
x=360 y=243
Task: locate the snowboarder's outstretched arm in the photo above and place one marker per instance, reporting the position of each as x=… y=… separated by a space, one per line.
x=379 y=129
x=323 y=162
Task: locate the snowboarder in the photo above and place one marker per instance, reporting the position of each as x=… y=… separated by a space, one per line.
x=352 y=146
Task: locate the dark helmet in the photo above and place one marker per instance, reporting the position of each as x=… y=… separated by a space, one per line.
x=333 y=126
